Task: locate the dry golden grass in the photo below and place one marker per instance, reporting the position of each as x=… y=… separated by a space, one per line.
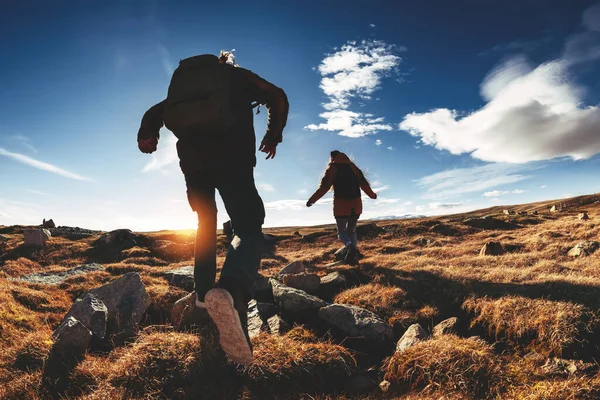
x=534 y=297
x=546 y=326
x=380 y=299
x=447 y=364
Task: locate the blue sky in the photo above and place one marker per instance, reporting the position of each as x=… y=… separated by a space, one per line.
x=447 y=106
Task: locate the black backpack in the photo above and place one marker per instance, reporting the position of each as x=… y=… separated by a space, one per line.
x=346 y=184
x=198 y=98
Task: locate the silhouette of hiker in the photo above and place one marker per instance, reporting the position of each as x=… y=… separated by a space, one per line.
x=347 y=181
x=209 y=109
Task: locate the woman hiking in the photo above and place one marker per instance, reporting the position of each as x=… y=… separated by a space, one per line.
x=347 y=181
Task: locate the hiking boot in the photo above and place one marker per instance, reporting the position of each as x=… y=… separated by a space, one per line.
x=231 y=323
x=351 y=255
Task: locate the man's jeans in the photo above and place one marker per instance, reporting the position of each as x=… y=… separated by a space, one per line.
x=247 y=213
x=346 y=227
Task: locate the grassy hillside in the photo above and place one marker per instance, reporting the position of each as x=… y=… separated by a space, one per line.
x=529 y=318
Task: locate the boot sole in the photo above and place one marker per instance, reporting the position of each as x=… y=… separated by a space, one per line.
x=219 y=304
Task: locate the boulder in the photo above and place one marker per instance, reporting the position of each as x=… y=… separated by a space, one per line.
x=126 y=300
x=71 y=341
x=508 y=212
x=413 y=335
x=304 y=281
x=447 y=326
x=56 y=278
x=294 y=300
x=173 y=251
x=522 y=213
x=356 y=321
x=186 y=313
x=534 y=213
x=36 y=237
x=385 y=386
x=584 y=248
x=277 y=326
x=332 y=284
x=121 y=238
x=340 y=254
x=48 y=224
x=182 y=277
x=228 y=230
x=554 y=209
x=367 y=230
x=491 y=249
x=583 y=216
x=258 y=317
x=422 y=242
x=91 y=313
x=295 y=267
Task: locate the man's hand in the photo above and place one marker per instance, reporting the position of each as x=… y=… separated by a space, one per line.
x=269 y=149
x=309 y=203
x=148 y=145
x=374 y=197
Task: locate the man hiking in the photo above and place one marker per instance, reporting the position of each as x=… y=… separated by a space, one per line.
x=347 y=181
x=209 y=109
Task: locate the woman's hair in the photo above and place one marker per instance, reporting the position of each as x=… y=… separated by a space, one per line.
x=335 y=153
x=227 y=57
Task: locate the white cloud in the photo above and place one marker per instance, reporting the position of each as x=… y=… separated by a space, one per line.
x=438 y=206
x=543 y=186
x=165 y=59
x=165 y=155
x=378 y=142
x=355 y=71
x=455 y=182
x=294 y=205
x=390 y=148
x=42 y=165
x=25 y=142
x=496 y=193
x=265 y=187
x=532 y=113
x=372 y=25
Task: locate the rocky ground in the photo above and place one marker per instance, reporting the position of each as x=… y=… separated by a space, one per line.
x=494 y=304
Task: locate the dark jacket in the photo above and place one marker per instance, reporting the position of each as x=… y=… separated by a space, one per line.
x=343 y=207
x=203 y=151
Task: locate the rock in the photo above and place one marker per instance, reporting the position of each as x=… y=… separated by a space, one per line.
x=126 y=300
x=295 y=267
x=294 y=300
x=447 y=326
x=228 y=230
x=256 y=324
x=308 y=282
x=554 y=209
x=443 y=229
x=277 y=326
x=584 y=248
x=368 y=230
x=92 y=313
x=356 y=321
x=55 y=278
x=72 y=233
x=122 y=238
x=508 y=212
x=332 y=284
x=491 y=249
x=182 y=277
x=385 y=386
x=186 y=314
x=522 y=213
x=563 y=367
x=583 y=216
x=48 y=224
x=71 y=341
x=534 y=213
x=173 y=251
x=489 y=223
x=422 y=242
x=36 y=237
x=413 y=335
